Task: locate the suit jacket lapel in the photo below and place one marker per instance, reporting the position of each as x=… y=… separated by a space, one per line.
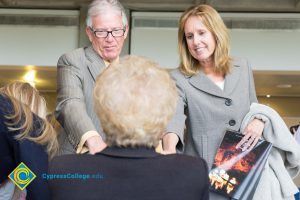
x=202 y=82
x=94 y=62
x=232 y=78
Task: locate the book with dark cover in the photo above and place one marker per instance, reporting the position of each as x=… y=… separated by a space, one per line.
x=236 y=173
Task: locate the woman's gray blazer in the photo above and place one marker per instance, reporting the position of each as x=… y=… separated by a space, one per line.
x=207 y=111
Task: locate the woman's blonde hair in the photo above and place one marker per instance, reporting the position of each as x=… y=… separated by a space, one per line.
x=134 y=100
x=26 y=100
x=214 y=23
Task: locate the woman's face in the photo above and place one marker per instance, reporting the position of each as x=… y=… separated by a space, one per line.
x=201 y=42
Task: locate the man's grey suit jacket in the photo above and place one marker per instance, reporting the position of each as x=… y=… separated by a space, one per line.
x=76 y=75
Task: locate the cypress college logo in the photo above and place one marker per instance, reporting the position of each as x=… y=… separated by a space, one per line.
x=22 y=176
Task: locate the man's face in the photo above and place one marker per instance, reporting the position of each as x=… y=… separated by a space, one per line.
x=109 y=48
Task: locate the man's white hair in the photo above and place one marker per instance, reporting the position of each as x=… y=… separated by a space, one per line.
x=98 y=7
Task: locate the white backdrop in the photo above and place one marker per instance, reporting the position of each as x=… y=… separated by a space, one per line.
x=266 y=49
x=35 y=45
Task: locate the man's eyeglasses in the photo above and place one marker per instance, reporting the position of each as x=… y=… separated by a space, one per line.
x=104 y=34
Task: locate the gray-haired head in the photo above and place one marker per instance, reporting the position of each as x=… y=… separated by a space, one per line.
x=98 y=7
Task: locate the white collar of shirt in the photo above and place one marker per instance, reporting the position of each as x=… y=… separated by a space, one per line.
x=108 y=63
x=220 y=84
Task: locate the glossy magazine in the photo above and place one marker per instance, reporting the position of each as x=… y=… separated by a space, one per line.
x=236 y=173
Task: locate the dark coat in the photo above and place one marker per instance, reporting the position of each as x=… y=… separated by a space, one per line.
x=129 y=174
x=13 y=152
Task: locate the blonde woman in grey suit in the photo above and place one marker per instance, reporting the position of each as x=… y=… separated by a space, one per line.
x=215 y=90
x=106 y=29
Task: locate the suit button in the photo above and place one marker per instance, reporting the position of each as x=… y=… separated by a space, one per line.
x=228 y=102
x=232 y=122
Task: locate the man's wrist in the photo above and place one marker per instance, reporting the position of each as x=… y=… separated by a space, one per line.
x=83 y=146
x=95 y=144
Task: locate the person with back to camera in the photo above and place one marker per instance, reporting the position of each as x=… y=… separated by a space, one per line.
x=25 y=136
x=106 y=28
x=134 y=109
x=215 y=91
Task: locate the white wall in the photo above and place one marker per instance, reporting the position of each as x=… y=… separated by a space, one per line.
x=29 y=43
x=35 y=45
x=159 y=44
x=265 y=49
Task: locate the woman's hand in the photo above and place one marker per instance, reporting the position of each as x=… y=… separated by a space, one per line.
x=252 y=133
x=169 y=143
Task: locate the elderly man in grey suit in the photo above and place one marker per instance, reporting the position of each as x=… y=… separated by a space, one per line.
x=106 y=29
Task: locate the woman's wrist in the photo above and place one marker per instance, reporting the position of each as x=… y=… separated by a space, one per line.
x=169 y=142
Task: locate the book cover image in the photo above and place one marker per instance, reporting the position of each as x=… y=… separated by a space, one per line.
x=234 y=169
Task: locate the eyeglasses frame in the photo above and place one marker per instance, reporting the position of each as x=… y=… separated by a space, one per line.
x=107 y=32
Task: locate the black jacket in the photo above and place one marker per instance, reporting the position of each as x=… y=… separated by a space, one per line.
x=129 y=174
x=13 y=152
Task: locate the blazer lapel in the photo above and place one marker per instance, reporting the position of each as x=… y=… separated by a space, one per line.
x=94 y=62
x=202 y=82
x=232 y=78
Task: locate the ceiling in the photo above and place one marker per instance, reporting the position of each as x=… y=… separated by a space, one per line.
x=166 y=5
x=277 y=83
x=45 y=76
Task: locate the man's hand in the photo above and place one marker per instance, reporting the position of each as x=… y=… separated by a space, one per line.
x=95 y=144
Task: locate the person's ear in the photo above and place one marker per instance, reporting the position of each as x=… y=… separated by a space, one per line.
x=126 y=31
x=89 y=33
